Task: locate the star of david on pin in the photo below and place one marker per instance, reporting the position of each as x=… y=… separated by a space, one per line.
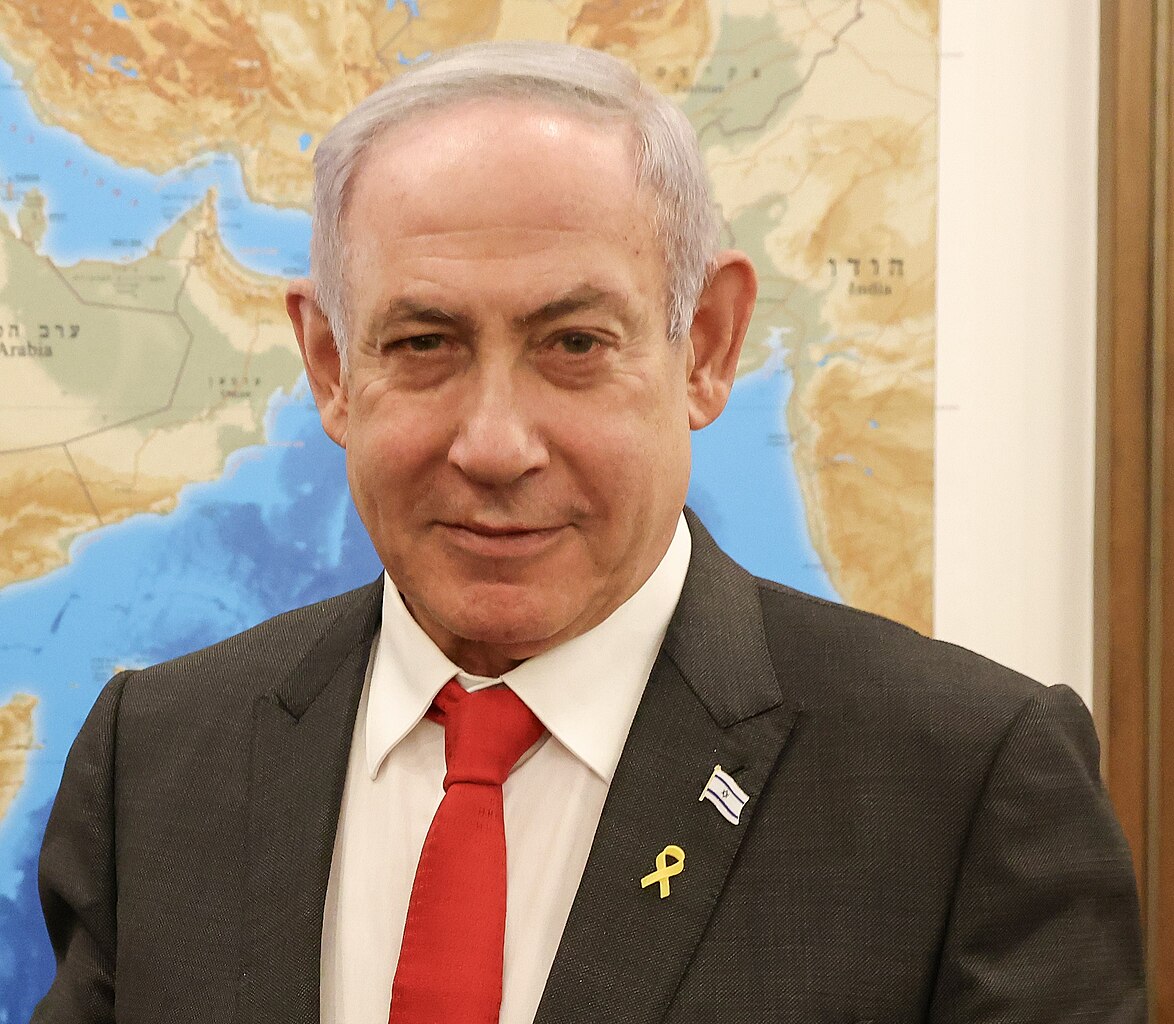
x=725 y=794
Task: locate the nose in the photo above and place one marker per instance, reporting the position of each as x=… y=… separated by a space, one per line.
x=497 y=442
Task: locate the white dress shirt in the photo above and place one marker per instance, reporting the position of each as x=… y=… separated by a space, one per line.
x=585 y=693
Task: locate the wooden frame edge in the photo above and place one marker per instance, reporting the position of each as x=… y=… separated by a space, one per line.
x=1122 y=534
x=1160 y=908
x=1134 y=557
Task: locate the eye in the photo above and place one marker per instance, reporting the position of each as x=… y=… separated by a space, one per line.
x=419 y=343
x=577 y=343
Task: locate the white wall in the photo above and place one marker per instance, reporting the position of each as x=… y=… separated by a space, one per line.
x=1016 y=342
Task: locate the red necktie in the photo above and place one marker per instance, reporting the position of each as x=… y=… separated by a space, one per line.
x=450 y=963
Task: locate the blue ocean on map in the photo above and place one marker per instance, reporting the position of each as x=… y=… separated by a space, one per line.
x=277 y=528
x=100 y=210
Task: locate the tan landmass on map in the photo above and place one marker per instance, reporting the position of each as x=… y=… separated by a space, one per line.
x=48 y=497
x=835 y=197
x=31 y=218
x=125 y=381
x=868 y=489
x=16 y=740
x=250 y=77
x=666 y=42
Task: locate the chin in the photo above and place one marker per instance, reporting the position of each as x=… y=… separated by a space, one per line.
x=499 y=614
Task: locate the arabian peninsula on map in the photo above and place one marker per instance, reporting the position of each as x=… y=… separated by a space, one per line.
x=164 y=481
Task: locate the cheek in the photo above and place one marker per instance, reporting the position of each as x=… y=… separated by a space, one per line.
x=638 y=468
x=391 y=434
x=381 y=464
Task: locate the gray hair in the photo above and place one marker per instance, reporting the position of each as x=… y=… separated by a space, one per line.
x=586 y=82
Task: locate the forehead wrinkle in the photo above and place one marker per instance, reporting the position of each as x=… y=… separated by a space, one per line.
x=505 y=240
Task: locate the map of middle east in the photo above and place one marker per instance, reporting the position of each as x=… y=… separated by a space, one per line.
x=163 y=478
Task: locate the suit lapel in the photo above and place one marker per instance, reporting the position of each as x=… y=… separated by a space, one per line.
x=301 y=738
x=713 y=698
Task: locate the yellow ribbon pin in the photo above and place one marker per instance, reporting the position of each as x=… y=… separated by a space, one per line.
x=664 y=870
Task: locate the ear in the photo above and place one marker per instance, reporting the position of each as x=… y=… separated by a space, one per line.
x=320 y=356
x=715 y=339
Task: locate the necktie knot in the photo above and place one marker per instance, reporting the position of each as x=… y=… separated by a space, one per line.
x=485 y=733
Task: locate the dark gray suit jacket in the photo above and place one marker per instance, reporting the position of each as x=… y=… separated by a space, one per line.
x=927 y=837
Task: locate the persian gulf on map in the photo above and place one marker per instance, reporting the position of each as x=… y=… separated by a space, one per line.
x=164 y=481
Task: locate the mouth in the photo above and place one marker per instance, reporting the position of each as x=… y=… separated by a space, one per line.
x=501 y=540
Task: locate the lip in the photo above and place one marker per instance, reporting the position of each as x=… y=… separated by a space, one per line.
x=501 y=541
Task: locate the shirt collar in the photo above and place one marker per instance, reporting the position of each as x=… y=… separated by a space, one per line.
x=585 y=691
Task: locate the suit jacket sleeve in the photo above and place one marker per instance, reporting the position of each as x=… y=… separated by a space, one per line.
x=1044 y=922
x=77 y=875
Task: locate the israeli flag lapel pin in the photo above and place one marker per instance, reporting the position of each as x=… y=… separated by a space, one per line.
x=725 y=794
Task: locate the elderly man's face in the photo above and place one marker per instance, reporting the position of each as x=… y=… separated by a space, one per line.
x=516 y=421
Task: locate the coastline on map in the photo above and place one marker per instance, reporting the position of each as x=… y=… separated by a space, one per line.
x=766 y=531
x=16 y=741
x=133 y=207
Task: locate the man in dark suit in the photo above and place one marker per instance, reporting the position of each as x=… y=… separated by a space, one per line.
x=517 y=314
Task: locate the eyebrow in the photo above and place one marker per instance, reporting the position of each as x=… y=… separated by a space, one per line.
x=401 y=310
x=585 y=297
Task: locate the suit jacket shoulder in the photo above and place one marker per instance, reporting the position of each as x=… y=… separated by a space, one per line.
x=832 y=658
x=291 y=653
x=822 y=657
